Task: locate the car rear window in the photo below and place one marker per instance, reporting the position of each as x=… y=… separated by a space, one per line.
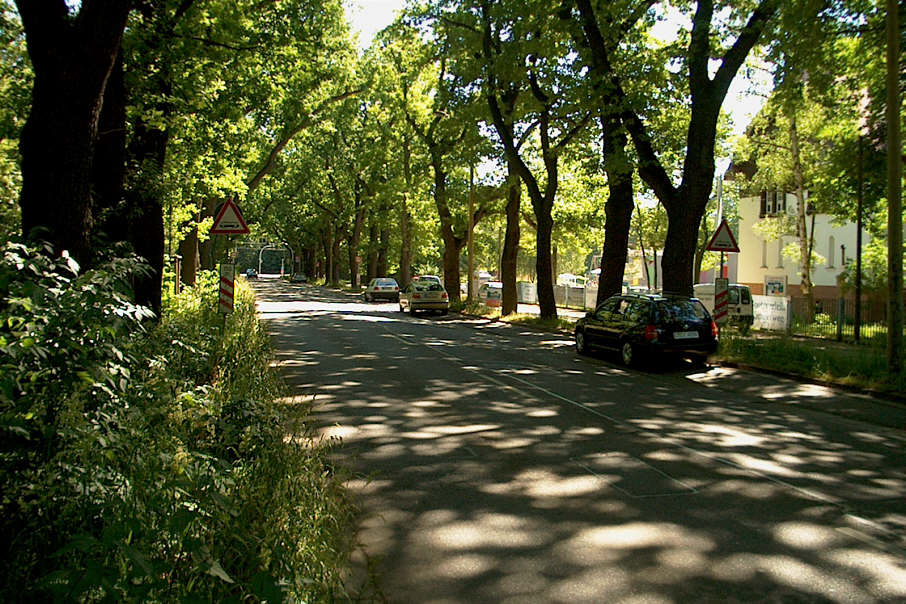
x=680 y=310
x=385 y=282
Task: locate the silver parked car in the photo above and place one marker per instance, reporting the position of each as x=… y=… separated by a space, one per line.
x=424 y=294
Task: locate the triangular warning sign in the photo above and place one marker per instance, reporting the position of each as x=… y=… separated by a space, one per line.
x=723 y=240
x=228 y=220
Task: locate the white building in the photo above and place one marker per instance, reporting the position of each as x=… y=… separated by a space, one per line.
x=764 y=267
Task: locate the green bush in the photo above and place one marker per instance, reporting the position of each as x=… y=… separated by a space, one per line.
x=152 y=462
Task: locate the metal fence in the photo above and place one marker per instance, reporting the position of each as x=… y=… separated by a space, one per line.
x=835 y=319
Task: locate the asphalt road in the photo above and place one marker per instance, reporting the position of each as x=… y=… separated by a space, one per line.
x=494 y=464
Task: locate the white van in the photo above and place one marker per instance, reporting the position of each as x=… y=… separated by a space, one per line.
x=740 y=311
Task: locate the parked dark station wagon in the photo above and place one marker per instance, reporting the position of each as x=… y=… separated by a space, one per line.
x=642 y=326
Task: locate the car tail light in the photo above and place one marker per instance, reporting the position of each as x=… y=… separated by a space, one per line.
x=396 y=289
x=417 y=296
x=714 y=331
x=444 y=296
x=651 y=333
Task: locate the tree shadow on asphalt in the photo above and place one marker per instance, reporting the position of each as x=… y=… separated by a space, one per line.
x=542 y=476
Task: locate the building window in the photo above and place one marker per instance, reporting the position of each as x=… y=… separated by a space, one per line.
x=831 y=251
x=772 y=203
x=764 y=254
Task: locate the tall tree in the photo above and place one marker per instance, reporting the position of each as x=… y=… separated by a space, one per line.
x=437 y=109
x=685 y=203
x=592 y=40
x=559 y=119
x=72 y=52
x=894 y=193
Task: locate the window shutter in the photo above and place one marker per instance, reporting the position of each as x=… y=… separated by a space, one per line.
x=764 y=204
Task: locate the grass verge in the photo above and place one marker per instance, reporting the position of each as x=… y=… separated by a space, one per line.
x=153 y=462
x=857 y=366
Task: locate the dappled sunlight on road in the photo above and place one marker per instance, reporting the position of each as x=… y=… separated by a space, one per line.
x=499 y=467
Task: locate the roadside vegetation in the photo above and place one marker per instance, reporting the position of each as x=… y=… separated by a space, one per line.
x=852 y=365
x=146 y=461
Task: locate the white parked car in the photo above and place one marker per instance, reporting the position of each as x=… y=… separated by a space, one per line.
x=381 y=288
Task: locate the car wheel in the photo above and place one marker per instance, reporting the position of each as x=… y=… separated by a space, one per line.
x=581 y=346
x=367 y=298
x=628 y=354
x=412 y=310
x=401 y=308
x=443 y=313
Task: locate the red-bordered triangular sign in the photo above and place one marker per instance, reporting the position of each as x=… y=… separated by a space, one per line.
x=228 y=220
x=723 y=240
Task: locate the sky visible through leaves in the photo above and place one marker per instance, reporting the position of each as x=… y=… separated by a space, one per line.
x=746 y=96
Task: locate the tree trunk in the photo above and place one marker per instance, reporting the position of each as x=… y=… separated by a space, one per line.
x=109 y=166
x=642 y=248
x=382 y=262
x=451 y=245
x=188 y=249
x=686 y=205
x=335 y=259
x=373 y=235
x=805 y=249
x=617 y=210
x=327 y=244
x=679 y=250
x=208 y=249
x=700 y=251
x=509 y=258
x=894 y=195
x=136 y=215
x=356 y=237
x=544 y=265
x=71 y=57
x=405 y=274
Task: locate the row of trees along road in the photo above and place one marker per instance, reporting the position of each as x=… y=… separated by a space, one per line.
x=160 y=109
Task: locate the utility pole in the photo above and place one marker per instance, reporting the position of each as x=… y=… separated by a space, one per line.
x=894 y=199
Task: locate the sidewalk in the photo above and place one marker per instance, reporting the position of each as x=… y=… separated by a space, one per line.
x=565 y=313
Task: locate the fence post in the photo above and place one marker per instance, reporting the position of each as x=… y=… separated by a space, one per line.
x=841 y=316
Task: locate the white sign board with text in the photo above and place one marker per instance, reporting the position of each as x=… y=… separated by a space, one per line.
x=772 y=312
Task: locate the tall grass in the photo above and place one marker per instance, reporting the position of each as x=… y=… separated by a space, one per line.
x=851 y=365
x=144 y=462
